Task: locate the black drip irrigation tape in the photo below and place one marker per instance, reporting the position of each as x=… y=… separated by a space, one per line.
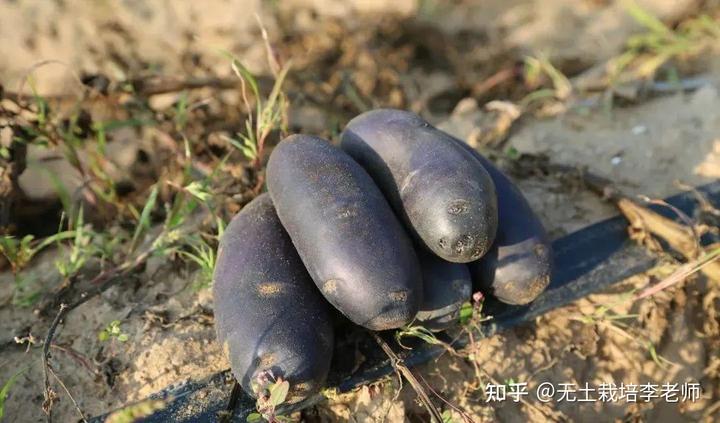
x=586 y=261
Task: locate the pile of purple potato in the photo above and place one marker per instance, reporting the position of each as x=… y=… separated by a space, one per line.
x=399 y=225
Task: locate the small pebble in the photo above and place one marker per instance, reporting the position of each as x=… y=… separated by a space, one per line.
x=639 y=129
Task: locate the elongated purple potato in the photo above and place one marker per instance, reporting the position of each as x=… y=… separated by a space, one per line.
x=519 y=266
x=446 y=286
x=268 y=313
x=352 y=244
x=445 y=197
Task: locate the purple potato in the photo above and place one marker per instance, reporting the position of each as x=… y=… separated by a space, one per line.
x=345 y=232
x=446 y=286
x=446 y=199
x=519 y=266
x=268 y=313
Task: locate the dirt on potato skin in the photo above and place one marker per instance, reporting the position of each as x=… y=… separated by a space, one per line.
x=421 y=59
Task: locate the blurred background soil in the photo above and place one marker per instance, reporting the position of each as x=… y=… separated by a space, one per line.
x=526 y=82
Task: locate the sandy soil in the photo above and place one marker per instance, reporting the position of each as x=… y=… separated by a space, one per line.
x=644 y=148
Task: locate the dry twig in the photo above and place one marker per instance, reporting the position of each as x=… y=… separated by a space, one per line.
x=677 y=235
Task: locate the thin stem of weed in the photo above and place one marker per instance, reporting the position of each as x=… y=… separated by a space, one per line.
x=67 y=391
x=466 y=417
x=48 y=394
x=400 y=367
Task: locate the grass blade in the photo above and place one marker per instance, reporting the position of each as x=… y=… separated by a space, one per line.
x=144 y=221
x=5 y=391
x=644 y=18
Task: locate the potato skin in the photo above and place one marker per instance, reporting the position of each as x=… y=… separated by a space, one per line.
x=353 y=246
x=519 y=266
x=268 y=313
x=446 y=286
x=446 y=199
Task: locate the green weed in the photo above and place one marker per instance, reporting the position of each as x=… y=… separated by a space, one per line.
x=5 y=391
x=112 y=331
x=647 y=52
x=144 y=219
x=604 y=317
x=471 y=312
x=25 y=289
x=19 y=252
x=271 y=393
x=79 y=251
x=181 y=112
x=268 y=115
x=416 y=331
x=203 y=255
x=538 y=68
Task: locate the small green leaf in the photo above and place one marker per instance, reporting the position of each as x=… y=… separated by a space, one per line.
x=103 y=336
x=466 y=312
x=199 y=191
x=247 y=146
x=122 y=337
x=253 y=417
x=512 y=153
x=278 y=392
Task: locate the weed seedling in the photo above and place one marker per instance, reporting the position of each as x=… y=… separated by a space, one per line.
x=19 y=252
x=603 y=317
x=271 y=393
x=112 y=330
x=417 y=331
x=268 y=115
x=202 y=254
x=648 y=51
